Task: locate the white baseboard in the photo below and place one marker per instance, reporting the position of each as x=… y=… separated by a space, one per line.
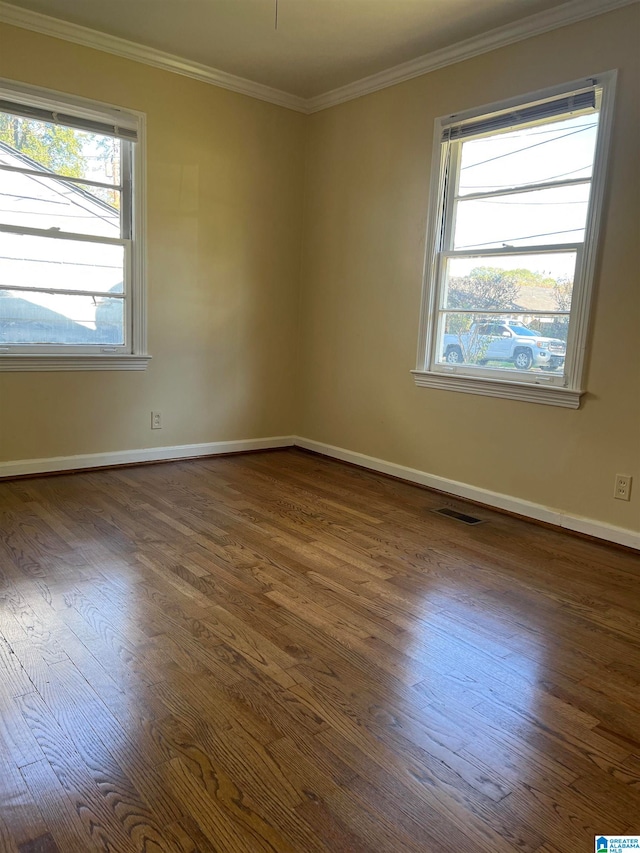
x=146 y=454
x=598 y=529
x=550 y=515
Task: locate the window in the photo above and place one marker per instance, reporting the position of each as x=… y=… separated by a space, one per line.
x=515 y=204
x=71 y=234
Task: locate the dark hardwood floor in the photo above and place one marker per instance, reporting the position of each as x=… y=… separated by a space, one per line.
x=278 y=652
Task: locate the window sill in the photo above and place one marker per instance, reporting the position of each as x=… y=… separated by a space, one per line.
x=547 y=395
x=40 y=363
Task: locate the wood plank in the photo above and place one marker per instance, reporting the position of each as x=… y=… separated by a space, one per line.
x=280 y=652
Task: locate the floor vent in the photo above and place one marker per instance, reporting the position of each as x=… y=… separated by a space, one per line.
x=458 y=516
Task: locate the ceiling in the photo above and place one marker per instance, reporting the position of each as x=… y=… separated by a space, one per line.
x=319 y=45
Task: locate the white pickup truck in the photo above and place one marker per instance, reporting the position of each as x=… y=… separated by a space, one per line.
x=507 y=341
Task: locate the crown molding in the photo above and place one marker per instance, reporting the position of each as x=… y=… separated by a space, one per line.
x=48 y=26
x=542 y=22
x=533 y=25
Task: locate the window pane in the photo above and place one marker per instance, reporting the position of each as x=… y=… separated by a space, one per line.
x=43 y=318
x=546 y=152
x=523 y=219
x=509 y=282
x=503 y=341
x=35 y=202
x=58 y=264
x=32 y=144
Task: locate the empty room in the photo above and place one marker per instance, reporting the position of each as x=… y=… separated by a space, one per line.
x=319 y=426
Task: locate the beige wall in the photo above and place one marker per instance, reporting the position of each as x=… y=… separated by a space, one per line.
x=225 y=180
x=227 y=290
x=365 y=213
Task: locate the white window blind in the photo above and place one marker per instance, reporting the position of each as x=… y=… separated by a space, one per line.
x=569 y=105
x=119 y=130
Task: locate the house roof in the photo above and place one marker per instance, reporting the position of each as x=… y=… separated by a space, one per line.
x=41 y=202
x=22 y=321
x=65 y=204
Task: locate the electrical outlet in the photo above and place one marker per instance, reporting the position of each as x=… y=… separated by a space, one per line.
x=623 y=487
x=156 y=420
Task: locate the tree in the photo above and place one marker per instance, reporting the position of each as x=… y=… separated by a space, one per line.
x=563 y=292
x=559 y=327
x=495 y=289
x=53 y=146
x=485 y=289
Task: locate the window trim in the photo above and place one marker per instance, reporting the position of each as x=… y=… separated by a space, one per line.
x=539 y=388
x=134 y=355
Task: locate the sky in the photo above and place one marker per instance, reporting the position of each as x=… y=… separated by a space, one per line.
x=562 y=150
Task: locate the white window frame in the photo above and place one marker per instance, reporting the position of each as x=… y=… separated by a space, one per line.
x=132 y=355
x=539 y=388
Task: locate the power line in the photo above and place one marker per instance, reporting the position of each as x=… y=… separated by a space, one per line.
x=53 y=216
x=528 y=203
x=526 y=148
x=69 y=199
x=59 y=263
x=508 y=186
x=525 y=133
x=506 y=242
x=36 y=198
